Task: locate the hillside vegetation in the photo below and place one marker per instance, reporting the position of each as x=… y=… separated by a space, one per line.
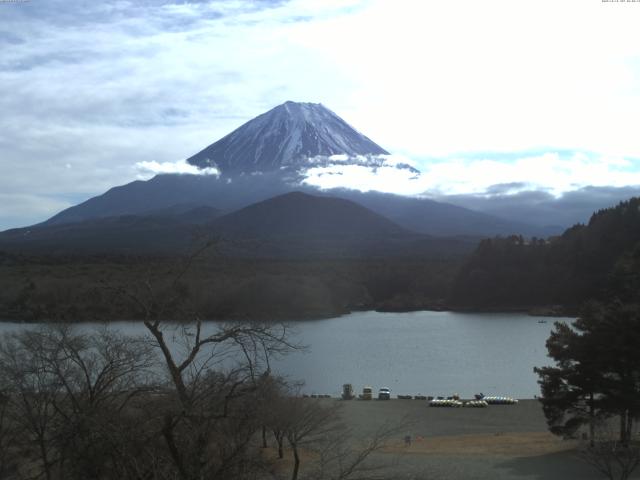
x=598 y=260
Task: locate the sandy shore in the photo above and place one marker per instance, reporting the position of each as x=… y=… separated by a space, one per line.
x=501 y=442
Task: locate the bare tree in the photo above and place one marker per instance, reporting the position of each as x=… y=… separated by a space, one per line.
x=100 y=374
x=31 y=393
x=613 y=458
x=343 y=456
x=216 y=387
x=272 y=412
x=308 y=422
x=214 y=371
x=68 y=392
x=316 y=428
x=9 y=436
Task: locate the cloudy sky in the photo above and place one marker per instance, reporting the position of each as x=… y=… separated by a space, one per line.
x=490 y=99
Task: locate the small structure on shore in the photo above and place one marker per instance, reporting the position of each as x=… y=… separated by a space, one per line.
x=367 y=393
x=384 y=394
x=347 y=392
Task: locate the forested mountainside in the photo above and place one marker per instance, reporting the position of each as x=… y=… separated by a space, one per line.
x=597 y=260
x=600 y=260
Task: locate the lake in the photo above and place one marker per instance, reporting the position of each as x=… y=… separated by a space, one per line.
x=429 y=353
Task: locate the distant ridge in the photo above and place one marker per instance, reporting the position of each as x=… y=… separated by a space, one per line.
x=292 y=225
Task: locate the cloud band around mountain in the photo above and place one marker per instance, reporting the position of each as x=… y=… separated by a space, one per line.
x=181 y=167
x=552 y=172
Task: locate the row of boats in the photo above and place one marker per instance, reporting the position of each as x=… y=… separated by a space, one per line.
x=493 y=400
x=481 y=402
x=445 y=402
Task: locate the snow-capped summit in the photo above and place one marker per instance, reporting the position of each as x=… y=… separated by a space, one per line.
x=293 y=137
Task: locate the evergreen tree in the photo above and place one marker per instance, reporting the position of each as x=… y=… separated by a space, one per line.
x=597 y=372
x=570 y=389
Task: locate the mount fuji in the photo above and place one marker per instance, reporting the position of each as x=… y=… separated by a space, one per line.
x=266 y=157
x=290 y=139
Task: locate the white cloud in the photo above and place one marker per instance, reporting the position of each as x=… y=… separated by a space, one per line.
x=359 y=177
x=552 y=172
x=438 y=78
x=182 y=167
x=549 y=171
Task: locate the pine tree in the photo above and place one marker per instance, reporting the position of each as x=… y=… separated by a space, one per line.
x=597 y=372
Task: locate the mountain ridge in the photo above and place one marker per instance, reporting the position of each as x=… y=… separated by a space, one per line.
x=168 y=190
x=292 y=225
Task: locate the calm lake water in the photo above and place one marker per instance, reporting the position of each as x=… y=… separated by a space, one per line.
x=429 y=353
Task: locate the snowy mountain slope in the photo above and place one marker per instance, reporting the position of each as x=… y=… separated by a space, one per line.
x=291 y=137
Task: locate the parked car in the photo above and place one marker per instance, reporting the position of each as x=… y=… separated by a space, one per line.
x=384 y=394
x=347 y=392
x=367 y=393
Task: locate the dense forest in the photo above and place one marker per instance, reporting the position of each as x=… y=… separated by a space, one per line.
x=218 y=287
x=599 y=260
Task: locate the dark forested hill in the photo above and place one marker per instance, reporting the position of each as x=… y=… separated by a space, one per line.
x=594 y=260
x=166 y=192
x=300 y=214
x=293 y=225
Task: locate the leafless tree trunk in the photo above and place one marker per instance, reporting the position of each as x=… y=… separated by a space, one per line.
x=305 y=421
x=279 y=436
x=8 y=437
x=345 y=456
x=609 y=454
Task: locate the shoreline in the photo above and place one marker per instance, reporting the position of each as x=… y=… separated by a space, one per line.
x=543 y=312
